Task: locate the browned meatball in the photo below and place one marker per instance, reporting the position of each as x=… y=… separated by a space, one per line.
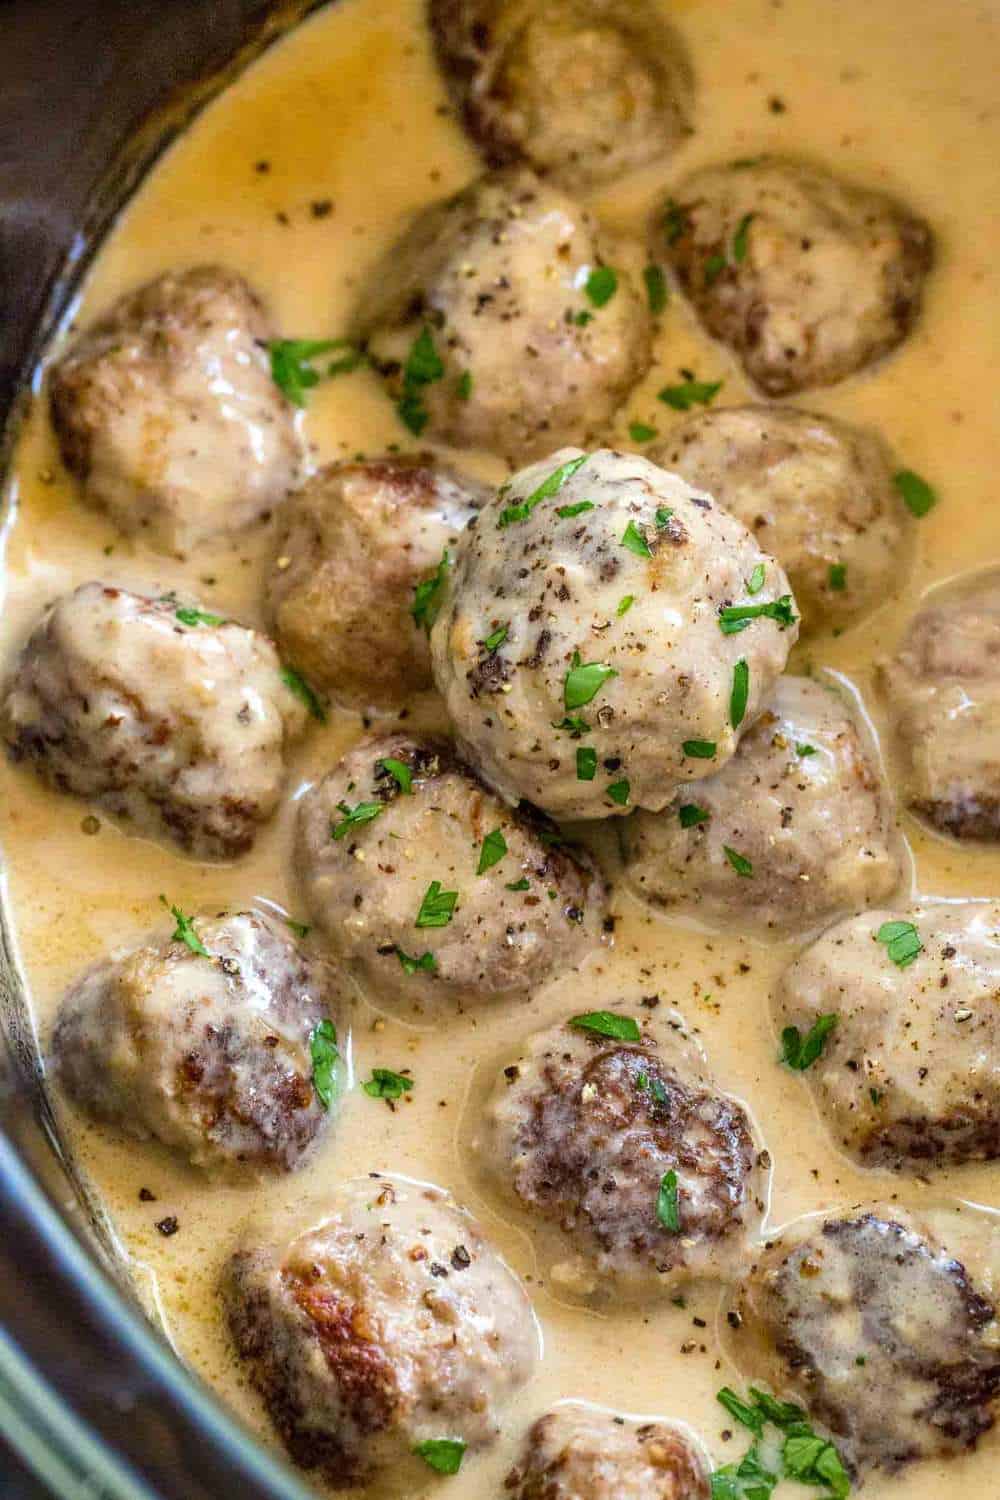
x=578 y=1452
x=229 y=1055
x=807 y=278
x=583 y=89
x=882 y=1335
x=650 y=1172
x=354 y=543
x=388 y=1323
x=943 y=687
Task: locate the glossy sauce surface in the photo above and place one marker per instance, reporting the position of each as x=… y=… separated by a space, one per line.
x=300 y=177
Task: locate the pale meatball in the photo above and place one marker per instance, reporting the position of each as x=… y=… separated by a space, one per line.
x=228 y=1055
x=650 y=1173
x=354 y=544
x=387 y=1324
x=882 y=1335
x=806 y=277
x=817 y=494
x=609 y=581
x=579 y=1452
x=909 y=1078
x=481 y=320
x=585 y=90
x=165 y=714
x=943 y=688
x=795 y=829
x=167 y=413
x=434 y=890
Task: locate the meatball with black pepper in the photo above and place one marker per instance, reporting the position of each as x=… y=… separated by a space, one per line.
x=354 y=544
x=586 y=645
x=581 y=1452
x=943 y=689
x=432 y=888
x=882 y=1335
x=795 y=829
x=585 y=90
x=909 y=1078
x=616 y=1134
x=166 y=714
x=167 y=413
x=220 y=1042
x=816 y=493
x=389 y=1323
x=505 y=319
x=806 y=277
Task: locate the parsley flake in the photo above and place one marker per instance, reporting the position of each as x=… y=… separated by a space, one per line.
x=385 y=1084
x=601 y=285
x=584 y=681
x=297 y=684
x=699 y=749
x=324 y=1054
x=463 y=386
x=799 y=1052
x=741 y=239
x=494 y=847
x=607 y=1023
x=756 y=580
x=291 y=364
x=714 y=267
x=917 y=494
x=619 y=792
x=428 y=596
x=353 y=817
x=423 y=366
x=550 y=485
x=902 y=942
x=400 y=773
x=739 y=862
x=667 y=1204
x=185 y=932
x=524 y=884
x=740 y=694
x=425 y=964
x=437 y=908
x=497 y=638
x=300 y=929
x=690 y=393
x=837 y=577
x=736 y=617
x=634 y=540
x=640 y=432
x=656 y=289
x=675 y=221
x=568 y=511
x=198 y=617
x=624 y=605
x=586 y=763
x=577 y=726
x=443 y=1455
x=803 y=750
x=690 y=815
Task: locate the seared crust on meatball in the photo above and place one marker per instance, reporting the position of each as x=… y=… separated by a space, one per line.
x=582 y=1130
x=580 y=1452
x=943 y=687
x=807 y=278
x=397 y=818
x=585 y=90
x=354 y=543
x=880 y=1333
x=167 y=413
x=480 y=320
x=164 y=714
x=207 y=1052
x=816 y=493
x=803 y=808
x=910 y=1076
x=607 y=576
x=388 y=1322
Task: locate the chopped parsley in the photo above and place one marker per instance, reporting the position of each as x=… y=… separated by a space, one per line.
x=656 y=288
x=296 y=683
x=568 y=511
x=292 y=364
x=918 y=497
x=799 y=1052
x=185 y=932
x=739 y=862
x=699 y=749
x=690 y=815
x=690 y=393
x=714 y=267
x=524 y=884
x=428 y=596
x=624 y=605
x=353 y=817
x=803 y=750
x=667 y=1205
x=606 y=1023
x=423 y=366
x=675 y=221
x=662 y=517
x=492 y=642
x=736 y=617
x=619 y=792
x=576 y=725
x=756 y=580
x=550 y=485
x=463 y=386
x=902 y=941
x=425 y=964
x=400 y=773
x=198 y=617
x=584 y=681
x=640 y=432
x=324 y=1053
x=804 y=1456
x=493 y=849
x=437 y=908
x=586 y=763
x=385 y=1084
x=741 y=239
x=443 y=1455
x=300 y=929
x=582 y=318
x=601 y=285
x=634 y=540
x=740 y=694
x=837 y=577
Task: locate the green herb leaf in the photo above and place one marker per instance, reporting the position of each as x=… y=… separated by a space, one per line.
x=656 y=288
x=497 y=638
x=714 y=267
x=662 y=517
x=524 y=884
x=741 y=239
x=198 y=617
x=740 y=694
x=699 y=749
x=324 y=1053
x=425 y=964
x=586 y=763
x=813 y=1460
x=185 y=932
x=624 y=605
x=581 y=319
x=634 y=540
x=438 y=906
x=385 y=1084
x=400 y=773
x=675 y=221
x=749 y=1416
x=690 y=393
x=837 y=577
x=756 y=580
x=296 y=683
x=492 y=852
x=736 y=617
x=804 y=750
x=412 y=412
x=917 y=494
x=353 y=817
x=577 y=726
x=291 y=364
x=300 y=929
x=784 y=1414
x=601 y=285
x=902 y=942
x=568 y=511
x=584 y=681
x=798 y=1052
x=423 y=363
x=667 y=1205
x=619 y=792
x=639 y=432
x=607 y=1023
x=691 y=815
x=463 y=386
x=550 y=485
x=443 y=1455
x=739 y=862
x=428 y=596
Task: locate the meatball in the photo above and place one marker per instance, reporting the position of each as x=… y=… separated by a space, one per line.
x=910 y=1075
x=354 y=543
x=578 y=1452
x=220 y=1042
x=583 y=645
x=817 y=494
x=878 y=1330
x=164 y=714
x=504 y=319
x=806 y=278
x=167 y=413
x=796 y=828
x=585 y=90
x=616 y=1134
x=434 y=890
x=387 y=1324
x=943 y=688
